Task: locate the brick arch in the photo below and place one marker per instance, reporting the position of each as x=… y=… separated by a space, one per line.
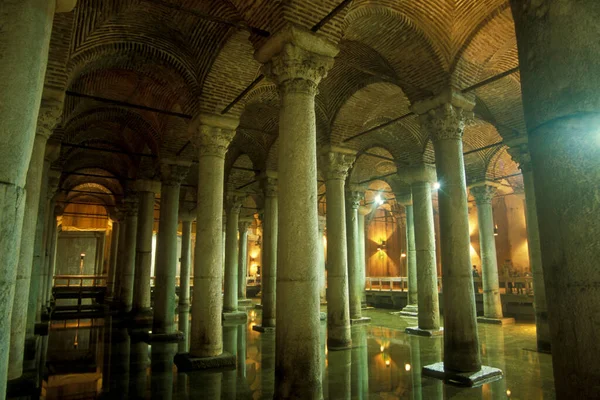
x=367 y=166
x=237 y=177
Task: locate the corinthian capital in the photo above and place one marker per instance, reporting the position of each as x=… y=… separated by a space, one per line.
x=49 y=117
x=336 y=162
x=483 y=192
x=212 y=134
x=520 y=155
x=173 y=172
x=353 y=197
x=268 y=182
x=296 y=59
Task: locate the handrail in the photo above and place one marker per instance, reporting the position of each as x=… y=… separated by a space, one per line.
x=521 y=285
x=96 y=280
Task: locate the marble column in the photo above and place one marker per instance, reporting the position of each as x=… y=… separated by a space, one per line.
x=444 y=118
x=353 y=198
x=25 y=28
x=117 y=224
x=296 y=60
x=50 y=242
x=321 y=263
x=520 y=154
x=269 y=252
x=405 y=199
x=336 y=163
x=427 y=287
x=492 y=304
x=244 y=224
x=33 y=188
x=211 y=139
x=127 y=258
x=184 y=280
x=146 y=191
x=51 y=258
x=230 y=290
x=362 y=212
x=172 y=172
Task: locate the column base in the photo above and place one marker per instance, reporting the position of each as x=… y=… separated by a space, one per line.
x=544 y=347
x=263 y=329
x=470 y=379
x=174 y=337
x=334 y=345
x=186 y=362
x=323 y=316
x=405 y=314
x=360 y=321
x=496 y=321
x=235 y=316
x=415 y=330
x=410 y=311
x=244 y=301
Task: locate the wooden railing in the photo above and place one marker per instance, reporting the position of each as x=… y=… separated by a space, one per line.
x=79 y=280
x=522 y=285
x=250 y=281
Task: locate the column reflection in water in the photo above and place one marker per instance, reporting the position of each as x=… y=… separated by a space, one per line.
x=415 y=366
x=120 y=354
x=267 y=367
x=162 y=370
x=492 y=350
x=324 y=362
x=138 y=369
x=242 y=330
x=229 y=383
x=339 y=374
x=432 y=352
x=360 y=363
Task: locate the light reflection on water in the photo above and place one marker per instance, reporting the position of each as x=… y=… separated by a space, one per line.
x=100 y=358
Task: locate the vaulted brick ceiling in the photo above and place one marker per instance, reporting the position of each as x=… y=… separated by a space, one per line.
x=166 y=55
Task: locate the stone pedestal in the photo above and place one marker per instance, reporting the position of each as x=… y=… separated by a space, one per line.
x=483 y=193
x=415 y=330
x=444 y=119
x=472 y=379
x=173 y=172
x=146 y=191
x=269 y=250
x=211 y=139
x=33 y=187
x=335 y=164
x=297 y=60
x=26 y=27
x=562 y=115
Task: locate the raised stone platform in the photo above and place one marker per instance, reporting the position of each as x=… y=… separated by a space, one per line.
x=496 y=321
x=186 y=362
x=471 y=379
x=241 y=316
x=360 y=321
x=415 y=330
x=263 y=329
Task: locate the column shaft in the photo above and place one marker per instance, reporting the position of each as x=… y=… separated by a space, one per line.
x=362 y=211
x=25 y=28
x=492 y=304
x=127 y=260
x=184 y=284
x=114 y=252
x=429 y=308
x=50 y=266
x=321 y=263
x=411 y=259
x=242 y=259
x=24 y=266
x=230 y=292
x=143 y=257
x=166 y=248
x=354 y=270
x=269 y=257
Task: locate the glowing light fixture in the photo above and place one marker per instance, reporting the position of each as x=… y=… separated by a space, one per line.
x=407 y=367
x=508 y=392
x=436 y=186
x=381 y=348
x=403 y=254
x=387 y=363
x=378 y=200
x=495 y=230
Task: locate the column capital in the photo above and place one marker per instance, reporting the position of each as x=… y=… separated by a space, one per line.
x=518 y=149
x=173 y=172
x=187 y=215
x=336 y=162
x=244 y=224
x=53 y=182
x=419 y=173
x=49 y=117
x=52 y=150
x=322 y=223
x=353 y=197
x=443 y=117
x=483 y=192
x=234 y=201
x=147 y=185
x=212 y=133
x=296 y=59
x=268 y=182
x=130 y=206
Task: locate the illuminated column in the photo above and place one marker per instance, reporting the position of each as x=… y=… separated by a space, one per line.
x=127 y=259
x=421 y=178
x=353 y=198
x=492 y=304
x=269 y=253
x=244 y=224
x=405 y=199
x=206 y=344
x=118 y=230
x=444 y=118
x=184 y=279
x=363 y=211
x=47 y=120
x=336 y=163
x=321 y=263
x=520 y=153
x=146 y=190
x=230 y=291
x=558 y=47
x=173 y=172
x=296 y=60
